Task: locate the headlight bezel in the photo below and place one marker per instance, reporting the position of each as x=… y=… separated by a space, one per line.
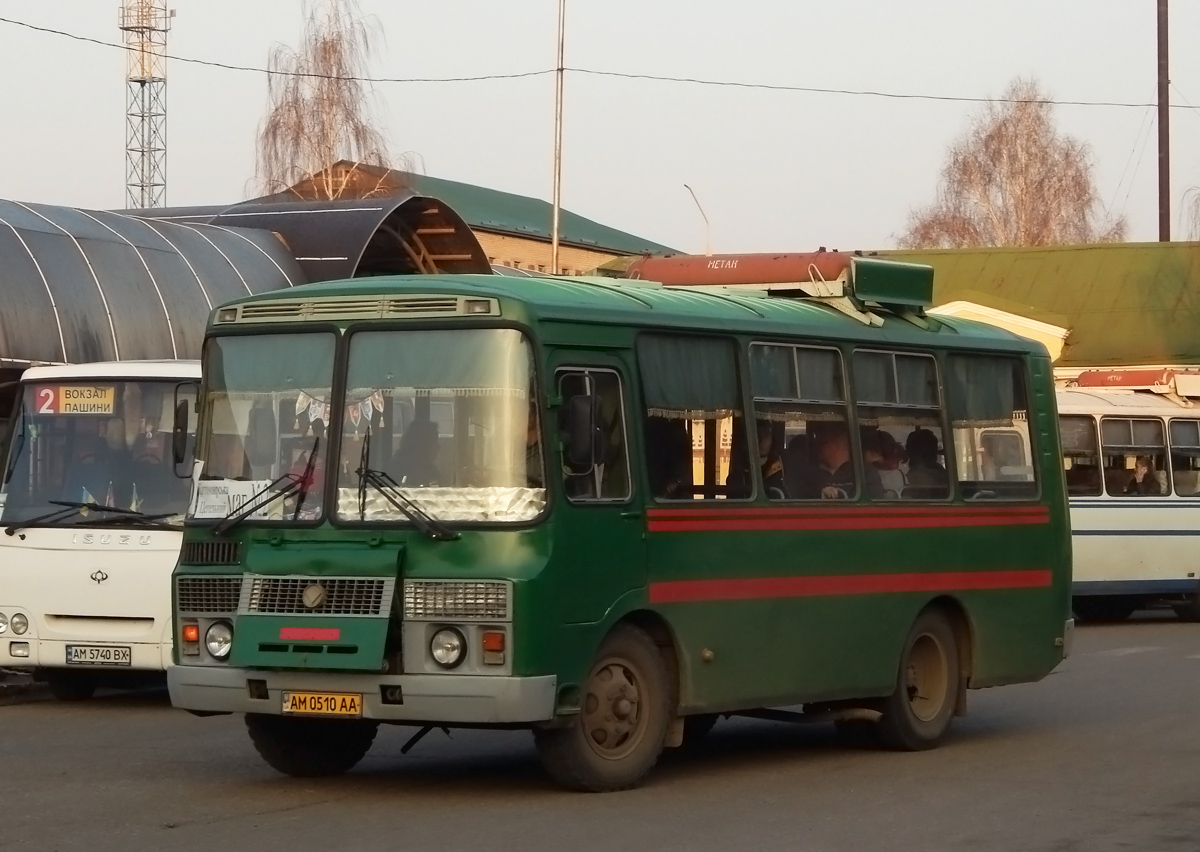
x=435 y=645
x=222 y=652
x=19 y=623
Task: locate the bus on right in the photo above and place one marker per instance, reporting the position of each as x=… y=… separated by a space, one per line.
x=1131 y=457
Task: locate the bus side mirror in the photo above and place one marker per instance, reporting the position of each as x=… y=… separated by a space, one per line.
x=179 y=432
x=584 y=433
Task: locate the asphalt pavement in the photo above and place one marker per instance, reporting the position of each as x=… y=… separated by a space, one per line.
x=1102 y=755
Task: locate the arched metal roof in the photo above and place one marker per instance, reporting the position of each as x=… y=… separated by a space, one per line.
x=397 y=234
x=85 y=285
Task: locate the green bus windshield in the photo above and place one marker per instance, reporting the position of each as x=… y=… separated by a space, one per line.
x=268 y=404
x=446 y=417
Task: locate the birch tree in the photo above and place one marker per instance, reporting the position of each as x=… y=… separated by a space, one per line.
x=319 y=108
x=1013 y=180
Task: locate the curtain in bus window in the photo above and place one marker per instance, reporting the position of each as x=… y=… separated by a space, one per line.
x=874 y=380
x=916 y=380
x=820 y=375
x=982 y=390
x=476 y=358
x=264 y=363
x=773 y=372
x=688 y=376
x=1185 y=457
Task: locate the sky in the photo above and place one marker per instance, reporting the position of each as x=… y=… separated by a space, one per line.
x=774 y=170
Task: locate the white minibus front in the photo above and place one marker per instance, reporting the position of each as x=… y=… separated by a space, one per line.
x=91 y=506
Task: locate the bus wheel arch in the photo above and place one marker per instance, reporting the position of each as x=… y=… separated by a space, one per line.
x=625 y=712
x=964 y=635
x=929 y=682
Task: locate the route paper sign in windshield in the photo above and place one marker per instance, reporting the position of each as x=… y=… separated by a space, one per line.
x=73 y=399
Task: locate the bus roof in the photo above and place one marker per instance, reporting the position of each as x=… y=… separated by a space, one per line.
x=640 y=303
x=1121 y=402
x=115 y=370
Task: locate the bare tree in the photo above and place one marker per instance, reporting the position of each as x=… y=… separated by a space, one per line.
x=319 y=110
x=1013 y=180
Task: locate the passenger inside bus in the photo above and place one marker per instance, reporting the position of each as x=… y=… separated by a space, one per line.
x=90 y=474
x=1144 y=479
x=881 y=464
x=739 y=481
x=835 y=470
x=668 y=458
x=926 y=477
x=416 y=458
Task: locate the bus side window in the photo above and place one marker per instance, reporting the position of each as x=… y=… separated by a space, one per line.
x=1081 y=455
x=1185 y=456
x=694 y=423
x=608 y=479
x=900 y=421
x=1135 y=457
x=800 y=423
x=989 y=413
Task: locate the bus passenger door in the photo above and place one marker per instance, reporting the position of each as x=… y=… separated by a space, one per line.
x=599 y=546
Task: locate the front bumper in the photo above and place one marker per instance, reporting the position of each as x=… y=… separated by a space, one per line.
x=447 y=699
x=52 y=653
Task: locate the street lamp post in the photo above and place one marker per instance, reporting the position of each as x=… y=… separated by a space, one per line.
x=558 y=111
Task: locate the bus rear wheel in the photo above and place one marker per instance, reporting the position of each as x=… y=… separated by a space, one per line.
x=918 y=714
x=622 y=723
x=309 y=748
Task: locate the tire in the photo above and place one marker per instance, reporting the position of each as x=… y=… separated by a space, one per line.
x=1190 y=609
x=917 y=715
x=619 y=732
x=1103 y=608
x=71 y=686
x=310 y=748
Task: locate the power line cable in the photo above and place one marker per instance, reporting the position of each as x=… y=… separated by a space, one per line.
x=231 y=67
x=736 y=84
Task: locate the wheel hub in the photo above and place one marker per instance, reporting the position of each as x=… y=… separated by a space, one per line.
x=612 y=720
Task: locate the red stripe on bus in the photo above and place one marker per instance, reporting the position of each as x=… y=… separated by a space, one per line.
x=854 y=511
x=320 y=634
x=685 y=591
x=840 y=522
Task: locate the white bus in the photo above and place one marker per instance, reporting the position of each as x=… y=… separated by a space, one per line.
x=91 y=507
x=1132 y=462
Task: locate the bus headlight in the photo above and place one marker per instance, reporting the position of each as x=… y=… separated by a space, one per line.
x=219 y=639
x=3 y=622
x=448 y=647
x=19 y=624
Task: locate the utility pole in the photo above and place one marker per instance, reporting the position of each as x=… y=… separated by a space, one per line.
x=1164 y=129
x=558 y=110
x=144 y=24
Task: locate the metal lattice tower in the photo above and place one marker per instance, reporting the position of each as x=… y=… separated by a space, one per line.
x=145 y=24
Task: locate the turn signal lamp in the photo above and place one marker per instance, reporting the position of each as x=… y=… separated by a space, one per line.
x=227 y=315
x=191 y=639
x=478 y=306
x=493 y=647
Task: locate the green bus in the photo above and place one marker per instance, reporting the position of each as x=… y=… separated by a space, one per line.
x=611 y=511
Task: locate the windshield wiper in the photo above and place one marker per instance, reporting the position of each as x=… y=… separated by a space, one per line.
x=301 y=482
x=139 y=520
x=383 y=482
x=71 y=507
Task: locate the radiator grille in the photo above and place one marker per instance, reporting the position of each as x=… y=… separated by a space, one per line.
x=452 y=600
x=211 y=553
x=208 y=595
x=342 y=595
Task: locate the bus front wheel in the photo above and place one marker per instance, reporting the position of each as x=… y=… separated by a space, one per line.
x=622 y=723
x=309 y=748
x=918 y=714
